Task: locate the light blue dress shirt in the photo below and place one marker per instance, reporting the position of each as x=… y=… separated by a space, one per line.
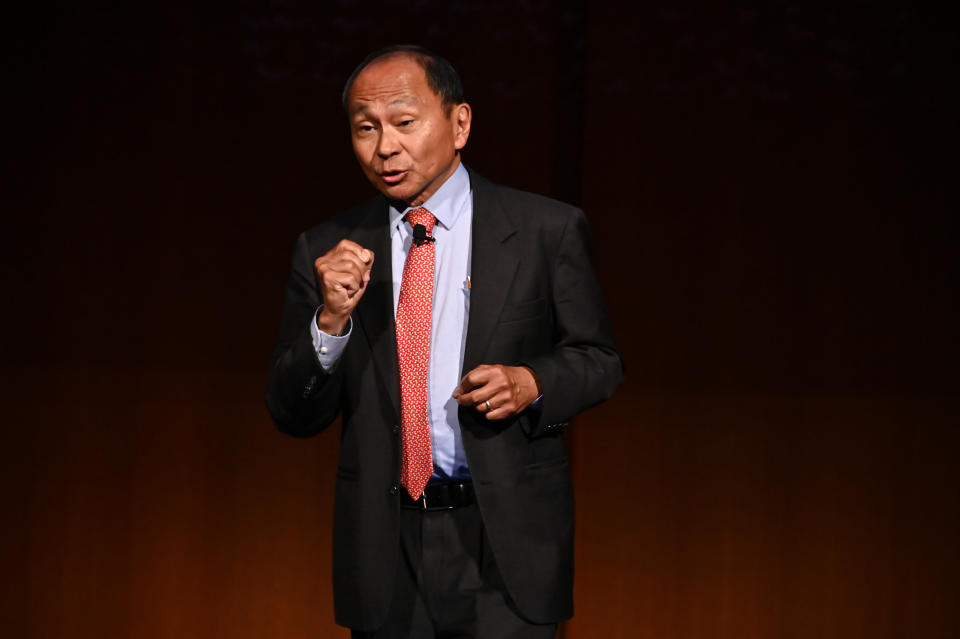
x=452 y=205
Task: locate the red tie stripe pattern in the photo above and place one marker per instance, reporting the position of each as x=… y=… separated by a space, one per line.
x=413 y=352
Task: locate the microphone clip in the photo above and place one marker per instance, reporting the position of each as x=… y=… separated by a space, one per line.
x=420 y=236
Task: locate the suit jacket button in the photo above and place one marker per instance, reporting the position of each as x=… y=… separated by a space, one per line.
x=394 y=489
x=396 y=429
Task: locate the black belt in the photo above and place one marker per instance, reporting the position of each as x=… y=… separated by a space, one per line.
x=440 y=496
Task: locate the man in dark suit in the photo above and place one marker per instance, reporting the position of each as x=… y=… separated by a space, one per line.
x=456 y=325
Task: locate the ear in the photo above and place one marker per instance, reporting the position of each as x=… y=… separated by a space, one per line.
x=460 y=119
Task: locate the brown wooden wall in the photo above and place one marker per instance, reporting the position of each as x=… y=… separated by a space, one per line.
x=770 y=189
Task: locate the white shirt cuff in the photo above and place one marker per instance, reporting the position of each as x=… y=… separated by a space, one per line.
x=328 y=347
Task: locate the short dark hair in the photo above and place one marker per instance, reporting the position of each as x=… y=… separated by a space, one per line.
x=441 y=76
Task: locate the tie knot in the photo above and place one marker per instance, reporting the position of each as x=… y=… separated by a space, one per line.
x=421 y=216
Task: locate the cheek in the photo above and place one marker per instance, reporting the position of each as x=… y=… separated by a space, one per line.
x=425 y=150
x=364 y=153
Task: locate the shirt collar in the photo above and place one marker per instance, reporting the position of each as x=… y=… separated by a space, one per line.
x=445 y=204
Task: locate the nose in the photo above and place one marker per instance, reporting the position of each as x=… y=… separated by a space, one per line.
x=387 y=145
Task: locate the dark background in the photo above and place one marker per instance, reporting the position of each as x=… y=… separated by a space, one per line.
x=770 y=187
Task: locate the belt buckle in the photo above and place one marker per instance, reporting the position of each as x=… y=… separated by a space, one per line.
x=430 y=506
x=452 y=491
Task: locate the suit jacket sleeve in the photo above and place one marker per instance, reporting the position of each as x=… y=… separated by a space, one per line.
x=584 y=367
x=302 y=398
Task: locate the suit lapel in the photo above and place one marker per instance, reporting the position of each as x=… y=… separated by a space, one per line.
x=374 y=313
x=493 y=264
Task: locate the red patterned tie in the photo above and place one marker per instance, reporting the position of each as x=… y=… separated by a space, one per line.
x=413 y=352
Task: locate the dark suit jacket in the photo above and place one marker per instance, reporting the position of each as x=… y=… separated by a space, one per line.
x=534 y=300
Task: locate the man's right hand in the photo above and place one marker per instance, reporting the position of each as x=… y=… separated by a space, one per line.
x=344 y=272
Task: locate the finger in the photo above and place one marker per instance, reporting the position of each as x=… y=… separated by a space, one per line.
x=363 y=261
x=366 y=273
x=349 y=246
x=498 y=413
x=494 y=392
x=502 y=406
x=474 y=379
x=476 y=396
x=484 y=406
x=491 y=382
x=344 y=262
x=342 y=281
x=349 y=263
x=366 y=267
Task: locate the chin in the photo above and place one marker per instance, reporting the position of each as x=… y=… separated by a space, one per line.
x=394 y=192
x=400 y=192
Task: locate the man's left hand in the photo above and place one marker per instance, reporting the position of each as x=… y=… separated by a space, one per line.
x=508 y=389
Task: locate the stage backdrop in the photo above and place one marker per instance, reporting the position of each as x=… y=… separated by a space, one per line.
x=770 y=187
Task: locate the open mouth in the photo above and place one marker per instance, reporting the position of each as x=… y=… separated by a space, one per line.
x=392 y=177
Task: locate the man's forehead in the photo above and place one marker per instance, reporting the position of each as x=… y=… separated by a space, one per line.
x=392 y=78
x=363 y=105
x=396 y=59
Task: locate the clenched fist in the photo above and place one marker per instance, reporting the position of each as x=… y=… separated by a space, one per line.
x=344 y=272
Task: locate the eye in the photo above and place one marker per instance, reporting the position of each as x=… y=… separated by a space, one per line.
x=364 y=128
x=405 y=122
